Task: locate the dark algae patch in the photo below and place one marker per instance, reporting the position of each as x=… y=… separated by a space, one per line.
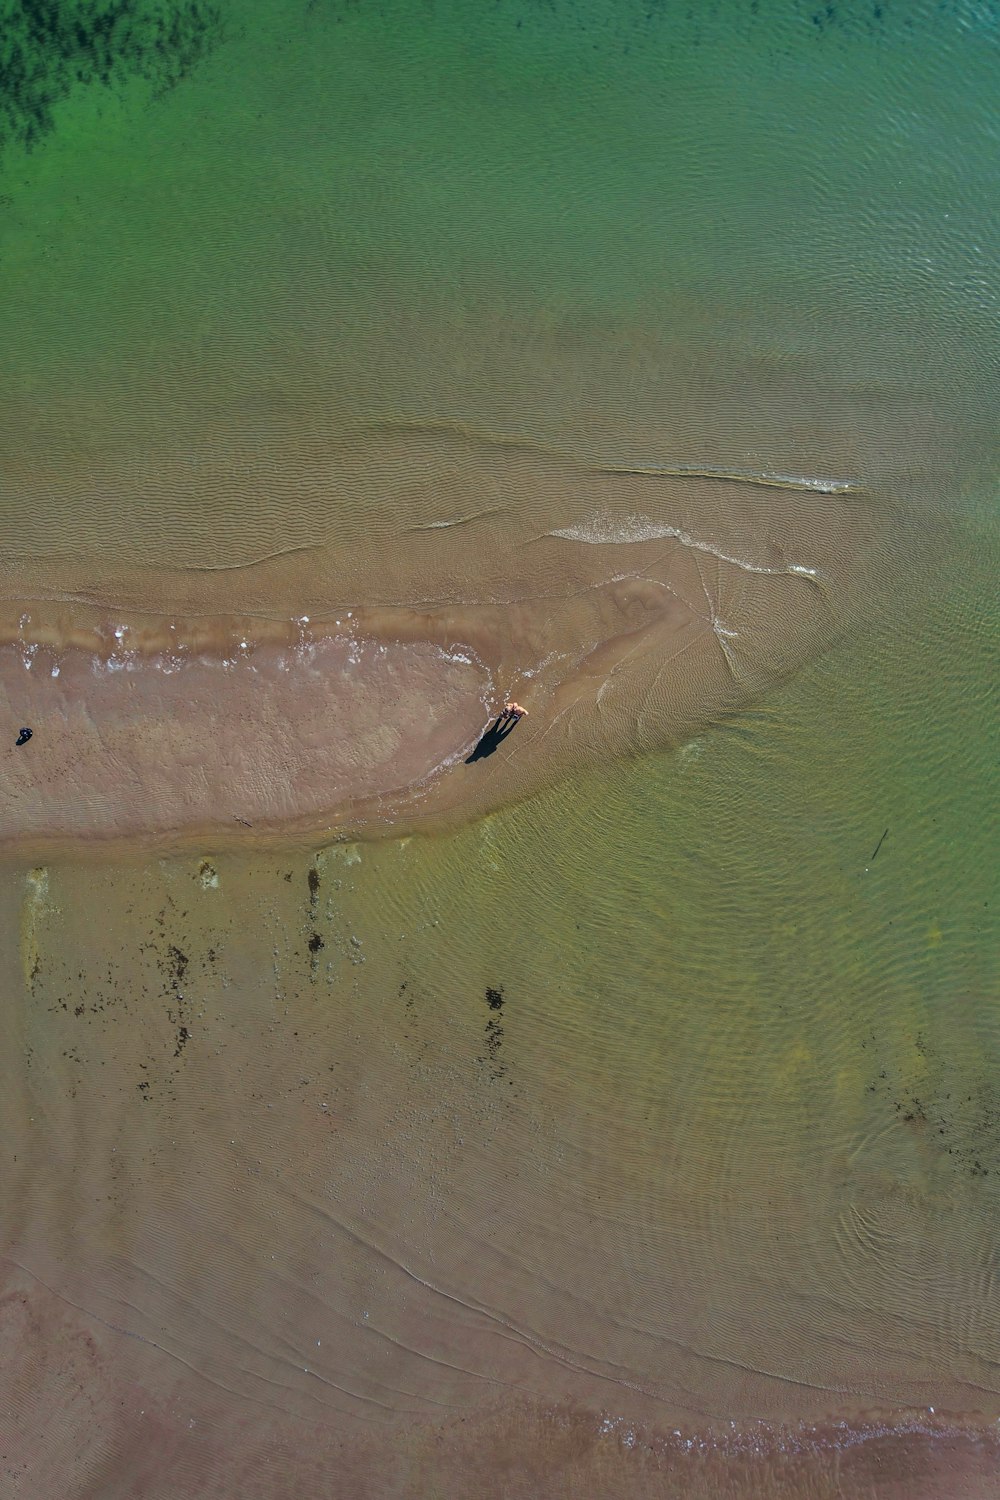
x=316 y=942
x=963 y=1125
x=50 y=47
x=156 y=989
x=178 y=963
x=494 y=1032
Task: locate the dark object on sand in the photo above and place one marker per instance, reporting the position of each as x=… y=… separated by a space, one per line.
x=878 y=846
x=495 y=735
x=23 y=737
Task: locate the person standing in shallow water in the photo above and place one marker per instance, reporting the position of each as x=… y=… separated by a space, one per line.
x=498 y=731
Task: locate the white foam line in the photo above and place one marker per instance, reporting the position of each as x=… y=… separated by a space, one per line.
x=745 y=476
x=449 y=521
x=603 y=531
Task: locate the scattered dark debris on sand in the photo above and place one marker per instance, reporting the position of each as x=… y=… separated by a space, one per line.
x=178 y=962
x=494 y=1033
x=964 y=1127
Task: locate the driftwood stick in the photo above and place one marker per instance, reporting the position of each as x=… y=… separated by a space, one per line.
x=878 y=846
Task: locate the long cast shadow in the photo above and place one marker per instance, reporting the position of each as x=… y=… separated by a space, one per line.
x=493 y=738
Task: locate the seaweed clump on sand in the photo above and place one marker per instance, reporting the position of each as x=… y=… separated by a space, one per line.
x=48 y=47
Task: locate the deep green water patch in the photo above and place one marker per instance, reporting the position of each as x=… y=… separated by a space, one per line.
x=50 y=47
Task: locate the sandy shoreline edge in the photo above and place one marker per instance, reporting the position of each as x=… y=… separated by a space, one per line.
x=181 y=727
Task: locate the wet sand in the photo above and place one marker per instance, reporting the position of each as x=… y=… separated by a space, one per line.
x=286 y=1215
x=339 y=686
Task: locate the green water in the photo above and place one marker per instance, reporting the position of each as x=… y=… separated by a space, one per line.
x=736 y=234
x=759 y=1056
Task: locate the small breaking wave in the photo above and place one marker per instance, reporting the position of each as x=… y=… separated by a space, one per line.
x=737 y=476
x=607 y=530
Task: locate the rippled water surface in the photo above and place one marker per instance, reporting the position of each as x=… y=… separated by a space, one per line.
x=633 y=1126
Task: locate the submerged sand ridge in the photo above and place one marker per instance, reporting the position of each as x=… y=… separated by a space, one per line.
x=340 y=685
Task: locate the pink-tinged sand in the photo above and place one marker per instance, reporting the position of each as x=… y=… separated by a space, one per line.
x=94 y=1415
x=150 y=744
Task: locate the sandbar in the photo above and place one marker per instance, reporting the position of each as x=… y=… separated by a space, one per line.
x=338 y=687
